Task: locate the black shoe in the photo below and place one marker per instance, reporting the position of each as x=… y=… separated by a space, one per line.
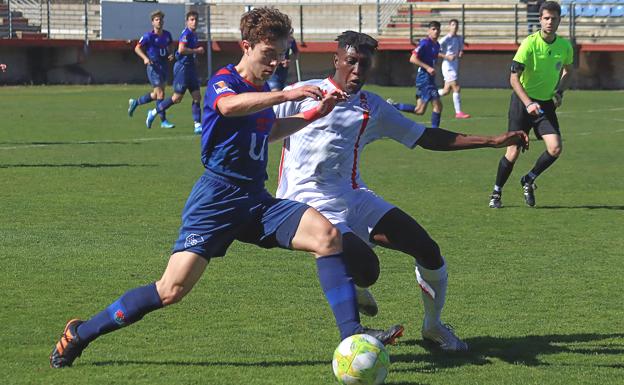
x=69 y=346
x=495 y=200
x=386 y=337
x=529 y=190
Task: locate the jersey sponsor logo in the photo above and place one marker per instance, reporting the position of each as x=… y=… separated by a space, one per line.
x=193 y=240
x=221 y=87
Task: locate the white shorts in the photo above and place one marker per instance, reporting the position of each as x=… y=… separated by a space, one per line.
x=351 y=211
x=450 y=70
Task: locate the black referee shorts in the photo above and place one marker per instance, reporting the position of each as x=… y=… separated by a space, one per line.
x=519 y=118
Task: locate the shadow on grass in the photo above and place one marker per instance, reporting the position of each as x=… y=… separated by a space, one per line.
x=590 y=207
x=513 y=350
x=76 y=165
x=260 y=364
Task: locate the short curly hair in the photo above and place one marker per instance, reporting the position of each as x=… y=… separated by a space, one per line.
x=264 y=24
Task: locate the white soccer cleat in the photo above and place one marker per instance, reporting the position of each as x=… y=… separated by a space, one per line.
x=366 y=302
x=444 y=338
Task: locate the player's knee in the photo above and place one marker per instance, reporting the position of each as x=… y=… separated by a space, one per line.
x=329 y=241
x=555 y=151
x=428 y=251
x=176 y=98
x=368 y=274
x=170 y=294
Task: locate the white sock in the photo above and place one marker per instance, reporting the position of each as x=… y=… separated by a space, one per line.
x=433 y=285
x=498 y=188
x=440 y=91
x=457 y=102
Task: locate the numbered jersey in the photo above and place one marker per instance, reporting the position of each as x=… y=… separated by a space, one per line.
x=235 y=147
x=325 y=155
x=156 y=45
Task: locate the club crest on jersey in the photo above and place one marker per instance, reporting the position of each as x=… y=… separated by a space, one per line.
x=221 y=87
x=120 y=317
x=193 y=240
x=364 y=102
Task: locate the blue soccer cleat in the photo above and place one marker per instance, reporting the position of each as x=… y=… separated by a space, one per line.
x=132 y=105
x=166 y=124
x=198 y=128
x=151 y=115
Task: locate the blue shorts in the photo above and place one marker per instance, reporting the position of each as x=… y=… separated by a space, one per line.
x=157 y=74
x=184 y=78
x=277 y=81
x=426 y=87
x=217 y=212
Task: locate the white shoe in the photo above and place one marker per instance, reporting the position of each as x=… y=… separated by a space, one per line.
x=444 y=337
x=366 y=302
x=389 y=101
x=197 y=128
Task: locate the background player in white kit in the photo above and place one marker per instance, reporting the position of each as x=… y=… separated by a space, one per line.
x=320 y=166
x=452 y=49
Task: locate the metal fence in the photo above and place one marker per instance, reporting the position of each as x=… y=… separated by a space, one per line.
x=322 y=21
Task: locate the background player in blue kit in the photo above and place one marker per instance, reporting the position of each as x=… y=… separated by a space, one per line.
x=153 y=48
x=278 y=80
x=229 y=201
x=184 y=74
x=425 y=57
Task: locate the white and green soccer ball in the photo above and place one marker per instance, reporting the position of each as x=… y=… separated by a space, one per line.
x=361 y=360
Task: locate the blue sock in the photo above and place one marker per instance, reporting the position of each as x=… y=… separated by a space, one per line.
x=128 y=308
x=196 y=110
x=340 y=293
x=435 y=119
x=404 y=107
x=145 y=98
x=161 y=107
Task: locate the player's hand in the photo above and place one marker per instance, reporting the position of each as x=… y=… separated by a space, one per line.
x=519 y=138
x=450 y=57
x=199 y=50
x=170 y=57
x=330 y=100
x=534 y=109
x=147 y=61
x=301 y=93
x=431 y=71
x=558 y=100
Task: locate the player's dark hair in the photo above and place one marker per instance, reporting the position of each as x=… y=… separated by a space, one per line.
x=434 y=24
x=551 y=6
x=264 y=24
x=359 y=41
x=454 y=20
x=157 y=13
x=192 y=13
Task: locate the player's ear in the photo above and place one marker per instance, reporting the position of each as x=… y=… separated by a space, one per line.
x=336 y=60
x=246 y=45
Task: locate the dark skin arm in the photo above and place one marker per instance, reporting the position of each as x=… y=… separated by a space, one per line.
x=438 y=139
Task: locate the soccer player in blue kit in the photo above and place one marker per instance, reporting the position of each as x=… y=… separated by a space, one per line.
x=229 y=201
x=425 y=57
x=184 y=74
x=153 y=48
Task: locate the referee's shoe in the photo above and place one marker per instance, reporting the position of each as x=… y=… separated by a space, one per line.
x=528 y=188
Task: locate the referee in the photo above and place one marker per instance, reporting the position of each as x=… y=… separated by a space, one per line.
x=540 y=72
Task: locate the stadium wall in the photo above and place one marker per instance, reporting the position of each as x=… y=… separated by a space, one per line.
x=484 y=66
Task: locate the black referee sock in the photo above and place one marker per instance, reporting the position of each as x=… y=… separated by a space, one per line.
x=543 y=162
x=504 y=170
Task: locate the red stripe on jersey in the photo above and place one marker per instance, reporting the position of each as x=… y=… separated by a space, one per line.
x=281 y=165
x=365 y=116
x=223 y=71
x=214 y=106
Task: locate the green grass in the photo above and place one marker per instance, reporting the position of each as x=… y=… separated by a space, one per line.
x=90 y=203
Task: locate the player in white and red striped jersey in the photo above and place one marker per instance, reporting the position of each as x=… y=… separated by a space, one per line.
x=320 y=166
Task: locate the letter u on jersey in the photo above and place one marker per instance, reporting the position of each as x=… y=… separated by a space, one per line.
x=253 y=144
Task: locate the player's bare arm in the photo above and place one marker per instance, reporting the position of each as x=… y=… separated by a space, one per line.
x=442 y=140
x=287 y=126
x=251 y=102
x=139 y=51
x=415 y=60
x=564 y=84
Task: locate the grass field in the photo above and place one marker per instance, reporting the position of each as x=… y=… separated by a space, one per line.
x=90 y=203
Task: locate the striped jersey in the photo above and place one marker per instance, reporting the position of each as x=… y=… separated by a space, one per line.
x=326 y=153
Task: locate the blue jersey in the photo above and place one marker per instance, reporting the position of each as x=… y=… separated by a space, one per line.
x=235 y=147
x=427 y=51
x=155 y=45
x=189 y=38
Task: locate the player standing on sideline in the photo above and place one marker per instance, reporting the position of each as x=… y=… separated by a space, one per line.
x=320 y=166
x=184 y=74
x=540 y=72
x=425 y=57
x=452 y=49
x=277 y=81
x=156 y=45
x=229 y=201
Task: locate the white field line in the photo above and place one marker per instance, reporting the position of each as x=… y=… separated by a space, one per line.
x=103 y=141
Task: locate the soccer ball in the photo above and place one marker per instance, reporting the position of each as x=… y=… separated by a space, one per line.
x=361 y=360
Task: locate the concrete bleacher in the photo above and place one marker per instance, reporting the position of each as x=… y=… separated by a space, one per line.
x=20 y=25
